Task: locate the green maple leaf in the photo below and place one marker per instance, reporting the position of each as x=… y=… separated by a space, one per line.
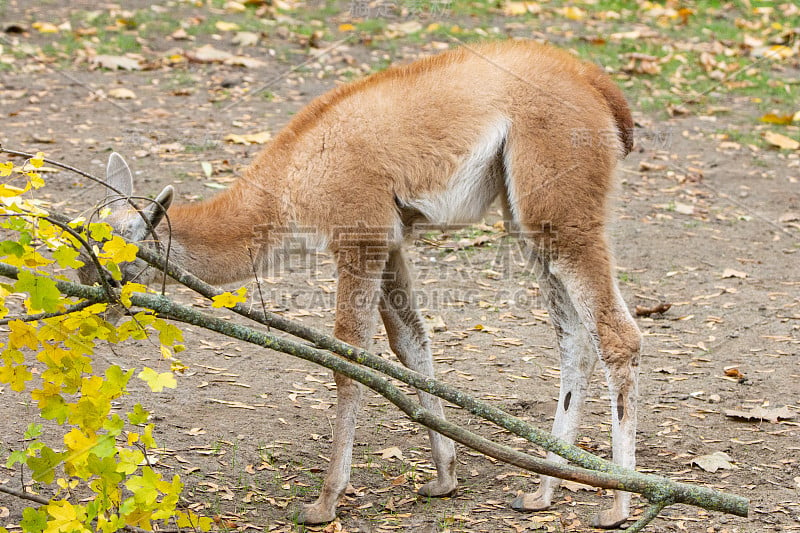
x=18 y=456
x=114 y=425
x=115 y=382
x=139 y=415
x=11 y=248
x=144 y=487
x=33 y=431
x=43 y=467
x=105 y=468
x=67 y=257
x=100 y=231
x=43 y=291
x=33 y=520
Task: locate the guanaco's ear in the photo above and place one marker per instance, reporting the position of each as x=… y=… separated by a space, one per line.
x=139 y=224
x=157 y=209
x=119 y=177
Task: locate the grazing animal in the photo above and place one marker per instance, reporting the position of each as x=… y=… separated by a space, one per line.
x=436 y=140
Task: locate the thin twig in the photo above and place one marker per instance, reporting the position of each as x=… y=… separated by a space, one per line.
x=41 y=316
x=257 y=279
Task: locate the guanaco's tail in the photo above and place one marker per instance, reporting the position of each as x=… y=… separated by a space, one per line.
x=616 y=102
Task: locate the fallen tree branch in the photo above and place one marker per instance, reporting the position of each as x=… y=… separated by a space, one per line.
x=658 y=490
x=24 y=495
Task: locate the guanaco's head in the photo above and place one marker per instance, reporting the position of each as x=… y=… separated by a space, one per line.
x=134 y=225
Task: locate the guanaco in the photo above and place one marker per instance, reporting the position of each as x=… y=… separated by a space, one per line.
x=436 y=140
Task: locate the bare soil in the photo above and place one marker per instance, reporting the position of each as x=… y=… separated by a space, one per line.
x=700 y=224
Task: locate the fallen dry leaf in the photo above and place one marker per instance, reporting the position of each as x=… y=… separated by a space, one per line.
x=734 y=372
x=115 y=62
x=789 y=217
x=661 y=308
x=574 y=486
x=781 y=141
x=121 y=93
x=390 y=453
x=762 y=413
x=244 y=61
x=248 y=138
x=776 y=51
x=647 y=166
x=436 y=323
x=772 y=118
x=246 y=38
x=714 y=461
x=222 y=25
x=731 y=273
x=208 y=54
x=405 y=28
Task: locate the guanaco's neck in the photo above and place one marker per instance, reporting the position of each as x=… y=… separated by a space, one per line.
x=223 y=239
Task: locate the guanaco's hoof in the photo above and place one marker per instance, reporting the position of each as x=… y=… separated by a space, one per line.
x=314 y=514
x=439 y=488
x=609 y=519
x=529 y=503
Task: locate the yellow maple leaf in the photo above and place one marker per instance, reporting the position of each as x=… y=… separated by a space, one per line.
x=227 y=299
x=157 y=382
x=128 y=290
x=119 y=251
x=6 y=168
x=37 y=161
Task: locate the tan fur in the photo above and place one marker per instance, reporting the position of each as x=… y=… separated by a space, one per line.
x=440 y=139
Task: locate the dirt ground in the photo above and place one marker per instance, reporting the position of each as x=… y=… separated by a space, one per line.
x=708 y=225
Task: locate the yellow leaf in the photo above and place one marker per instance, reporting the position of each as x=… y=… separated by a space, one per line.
x=573 y=13
x=45 y=27
x=128 y=290
x=221 y=25
x=156 y=381
x=781 y=141
x=38 y=160
x=778 y=51
x=166 y=353
x=118 y=250
x=35 y=180
x=22 y=335
x=227 y=299
x=346 y=27
x=6 y=168
x=772 y=118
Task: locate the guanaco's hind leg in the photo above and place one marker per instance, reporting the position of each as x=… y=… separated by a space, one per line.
x=359 y=269
x=577 y=363
x=591 y=318
x=409 y=340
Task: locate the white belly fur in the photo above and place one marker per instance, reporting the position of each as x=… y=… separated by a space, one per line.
x=472 y=187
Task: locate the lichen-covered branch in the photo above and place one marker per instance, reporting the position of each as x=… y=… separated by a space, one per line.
x=599 y=473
